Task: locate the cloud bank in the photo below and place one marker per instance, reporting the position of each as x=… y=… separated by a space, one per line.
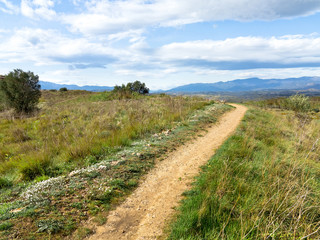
x=245 y=53
x=117 y=16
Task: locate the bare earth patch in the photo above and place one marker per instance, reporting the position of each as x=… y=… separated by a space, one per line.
x=145 y=213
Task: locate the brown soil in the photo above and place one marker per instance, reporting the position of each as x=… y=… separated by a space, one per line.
x=145 y=213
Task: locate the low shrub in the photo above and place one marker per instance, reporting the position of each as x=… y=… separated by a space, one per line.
x=298 y=103
x=33 y=167
x=4 y=183
x=5 y=226
x=50 y=226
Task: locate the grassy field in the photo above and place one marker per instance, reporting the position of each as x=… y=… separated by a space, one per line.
x=280 y=103
x=73 y=125
x=263 y=183
x=81 y=154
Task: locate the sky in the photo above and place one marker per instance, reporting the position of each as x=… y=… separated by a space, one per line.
x=164 y=43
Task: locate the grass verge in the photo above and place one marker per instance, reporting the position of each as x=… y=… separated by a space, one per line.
x=263 y=183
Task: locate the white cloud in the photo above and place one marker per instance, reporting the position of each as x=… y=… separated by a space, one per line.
x=45 y=47
x=104 y=16
x=177 y=63
x=8 y=7
x=49 y=47
x=26 y=10
x=234 y=52
x=133 y=35
x=2 y=31
x=38 y=9
x=43 y=3
x=77 y=2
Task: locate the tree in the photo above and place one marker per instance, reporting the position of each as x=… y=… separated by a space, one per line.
x=63 y=89
x=138 y=87
x=132 y=87
x=21 y=90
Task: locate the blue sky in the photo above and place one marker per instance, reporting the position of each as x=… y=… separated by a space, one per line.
x=164 y=43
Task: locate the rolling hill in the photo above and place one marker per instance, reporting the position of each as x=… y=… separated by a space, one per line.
x=50 y=85
x=251 y=84
x=235 y=86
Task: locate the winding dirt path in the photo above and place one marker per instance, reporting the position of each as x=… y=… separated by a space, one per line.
x=145 y=213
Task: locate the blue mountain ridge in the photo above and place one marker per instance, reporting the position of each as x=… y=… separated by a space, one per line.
x=251 y=84
x=238 y=85
x=50 y=85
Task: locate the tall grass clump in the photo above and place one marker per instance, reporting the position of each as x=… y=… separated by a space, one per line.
x=263 y=183
x=298 y=103
x=74 y=124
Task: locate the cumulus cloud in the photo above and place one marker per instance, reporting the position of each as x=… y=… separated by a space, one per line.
x=104 y=16
x=50 y=47
x=249 y=56
x=38 y=9
x=245 y=53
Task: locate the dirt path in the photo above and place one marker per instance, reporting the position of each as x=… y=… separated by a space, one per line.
x=144 y=214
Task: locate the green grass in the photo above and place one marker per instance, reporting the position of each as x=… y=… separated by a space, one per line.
x=263 y=183
x=67 y=191
x=281 y=103
x=75 y=124
x=5 y=226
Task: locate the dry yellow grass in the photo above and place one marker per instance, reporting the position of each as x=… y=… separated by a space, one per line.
x=75 y=124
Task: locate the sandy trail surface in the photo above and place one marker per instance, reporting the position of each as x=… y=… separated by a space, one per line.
x=146 y=211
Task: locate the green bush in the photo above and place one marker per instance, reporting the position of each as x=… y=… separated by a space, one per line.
x=4 y=183
x=63 y=89
x=5 y=226
x=32 y=168
x=298 y=103
x=130 y=90
x=50 y=226
x=21 y=90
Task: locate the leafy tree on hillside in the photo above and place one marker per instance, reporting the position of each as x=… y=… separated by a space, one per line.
x=121 y=88
x=21 y=90
x=63 y=89
x=138 y=87
x=132 y=87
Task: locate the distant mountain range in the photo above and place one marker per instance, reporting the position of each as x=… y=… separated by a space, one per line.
x=251 y=84
x=50 y=85
x=239 y=85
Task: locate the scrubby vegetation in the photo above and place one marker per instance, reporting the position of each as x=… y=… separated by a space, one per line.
x=263 y=183
x=65 y=132
x=133 y=87
x=63 y=89
x=132 y=90
x=82 y=154
x=296 y=102
x=20 y=90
